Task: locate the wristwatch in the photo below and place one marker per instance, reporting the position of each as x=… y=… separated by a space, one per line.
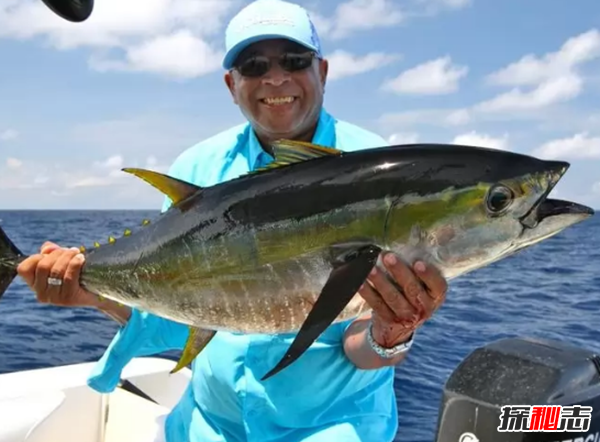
x=389 y=353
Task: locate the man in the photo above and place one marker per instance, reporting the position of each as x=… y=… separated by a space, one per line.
x=341 y=389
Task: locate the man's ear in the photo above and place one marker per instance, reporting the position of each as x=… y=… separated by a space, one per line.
x=230 y=82
x=323 y=70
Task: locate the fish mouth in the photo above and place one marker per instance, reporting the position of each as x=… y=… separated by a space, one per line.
x=551 y=217
x=554 y=207
x=554 y=172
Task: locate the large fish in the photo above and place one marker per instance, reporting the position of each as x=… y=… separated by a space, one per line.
x=286 y=248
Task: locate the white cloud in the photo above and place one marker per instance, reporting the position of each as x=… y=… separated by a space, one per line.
x=67 y=179
x=8 y=134
x=474 y=138
x=457 y=4
x=435 y=6
x=164 y=36
x=596 y=188
x=345 y=64
x=13 y=163
x=180 y=55
x=578 y=146
x=357 y=15
x=434 y=77
x=161 y=134
x=555 y=90
x=531 y=70
x=403 y=138
x=108 y=172
x=434 y=117
x=551 y=79
x=458 y=117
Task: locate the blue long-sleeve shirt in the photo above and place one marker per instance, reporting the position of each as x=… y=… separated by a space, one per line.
x=322 y=397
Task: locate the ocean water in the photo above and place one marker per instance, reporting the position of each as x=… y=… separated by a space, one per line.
x=551 y=290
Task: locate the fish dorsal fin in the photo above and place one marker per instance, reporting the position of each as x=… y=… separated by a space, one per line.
x=295 y=151
x=288 y=152
x=177 y=190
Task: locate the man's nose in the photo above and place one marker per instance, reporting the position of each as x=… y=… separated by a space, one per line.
x=276 y=76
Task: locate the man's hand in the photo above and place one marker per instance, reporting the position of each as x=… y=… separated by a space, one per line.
x=402 y=301
x=60 y=263
x=65 y=264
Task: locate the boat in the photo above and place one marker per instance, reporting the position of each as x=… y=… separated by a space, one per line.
x=55 y=404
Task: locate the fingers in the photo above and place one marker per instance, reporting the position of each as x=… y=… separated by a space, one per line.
x=401 y=294
x=60 y=294
x=71 y=285
x=389 y=298
x=432 y=278
x=53 y=262
x=42 y=272
x=27 y=269
x=376 y=302
x=412 y=288
x=48 y=247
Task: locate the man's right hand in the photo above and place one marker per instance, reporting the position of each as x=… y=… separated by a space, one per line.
x=65 y=264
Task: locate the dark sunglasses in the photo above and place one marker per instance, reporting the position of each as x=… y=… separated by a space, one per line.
x=259 y=65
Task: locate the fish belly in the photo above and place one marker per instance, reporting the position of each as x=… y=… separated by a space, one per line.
x=270 y=298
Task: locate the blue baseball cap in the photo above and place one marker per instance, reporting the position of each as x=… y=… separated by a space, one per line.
x=266 y=19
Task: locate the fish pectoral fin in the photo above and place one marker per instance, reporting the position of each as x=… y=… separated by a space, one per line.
x=197 y=340
x=288 y=152
x=177 y=190
x=343 y=283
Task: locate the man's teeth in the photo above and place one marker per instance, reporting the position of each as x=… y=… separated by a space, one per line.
x=278 y=100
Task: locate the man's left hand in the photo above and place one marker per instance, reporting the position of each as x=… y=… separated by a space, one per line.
x=402 y=299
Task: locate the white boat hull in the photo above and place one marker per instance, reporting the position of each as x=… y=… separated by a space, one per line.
x=56 y=405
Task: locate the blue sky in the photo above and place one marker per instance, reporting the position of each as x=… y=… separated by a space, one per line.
x=80 y=101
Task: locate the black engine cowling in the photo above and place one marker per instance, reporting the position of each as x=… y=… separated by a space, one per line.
x=519 y=372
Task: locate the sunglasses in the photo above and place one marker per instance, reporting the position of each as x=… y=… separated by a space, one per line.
x=259 y=65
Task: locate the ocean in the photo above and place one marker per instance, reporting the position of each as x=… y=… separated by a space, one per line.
x=551 y=290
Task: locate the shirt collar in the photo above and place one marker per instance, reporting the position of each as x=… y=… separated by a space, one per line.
x=324 y=136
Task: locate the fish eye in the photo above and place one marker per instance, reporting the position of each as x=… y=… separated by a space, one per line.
x=499 y=198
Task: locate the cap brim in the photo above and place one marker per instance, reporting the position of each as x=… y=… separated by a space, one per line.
x=233 y=53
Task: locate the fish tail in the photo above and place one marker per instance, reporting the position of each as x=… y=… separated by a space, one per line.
x=9 y=257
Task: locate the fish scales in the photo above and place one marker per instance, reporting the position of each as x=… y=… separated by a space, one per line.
x=279 y=303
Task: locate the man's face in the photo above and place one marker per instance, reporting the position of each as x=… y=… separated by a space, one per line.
x=279 y=104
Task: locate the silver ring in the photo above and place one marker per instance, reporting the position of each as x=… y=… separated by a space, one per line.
x=55 y=281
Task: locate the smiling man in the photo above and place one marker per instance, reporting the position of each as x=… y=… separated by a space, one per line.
x=342 y=388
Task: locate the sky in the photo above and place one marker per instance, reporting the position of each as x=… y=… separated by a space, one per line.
x=141 y=81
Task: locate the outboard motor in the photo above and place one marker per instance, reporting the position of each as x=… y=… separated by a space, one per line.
x=71 y=10
x=503 y=385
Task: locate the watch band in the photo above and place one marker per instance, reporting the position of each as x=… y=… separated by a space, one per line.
x=389 y=353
